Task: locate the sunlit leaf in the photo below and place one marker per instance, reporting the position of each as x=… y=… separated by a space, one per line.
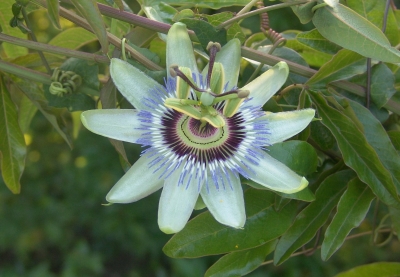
x=73 y=38
x=348 y=29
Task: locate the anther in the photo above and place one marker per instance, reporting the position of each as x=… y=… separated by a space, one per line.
x=213 y=48
x=243 y=93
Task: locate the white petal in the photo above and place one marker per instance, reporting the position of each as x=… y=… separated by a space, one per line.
x=275 y=175
x=116 y=124
x=177 y=202
x=137 y=183
x=226 y=204
x=179 y=48
x=285 y=125
x=133 y=84
x=267 y=84
x=332 y=3
x=230 y=57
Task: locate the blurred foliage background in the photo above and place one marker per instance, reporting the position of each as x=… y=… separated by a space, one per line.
x=57 y=226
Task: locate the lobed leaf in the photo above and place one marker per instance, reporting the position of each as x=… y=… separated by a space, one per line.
x=12 y=143
x=348 y=29
x=351 y=211
x=203 y=235
x=309 y=220
x=240 y=263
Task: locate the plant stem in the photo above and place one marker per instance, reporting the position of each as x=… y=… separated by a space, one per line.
x=112 y=39
x=54 y=49
x=258 y=11
x=25 y=73
x=347 y=238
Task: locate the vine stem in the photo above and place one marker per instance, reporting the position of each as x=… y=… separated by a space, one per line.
x=54 y=49
x=306 y=251
x=258 y=11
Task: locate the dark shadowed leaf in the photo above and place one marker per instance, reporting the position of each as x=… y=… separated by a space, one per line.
x=205 y=32
x=203 y=235
x=240 y=263
x=351 y=211
x=313 y=216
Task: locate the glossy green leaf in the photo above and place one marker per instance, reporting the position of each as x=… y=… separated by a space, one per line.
x=12 y=143
x=73 y=38
x=240 y=263
x=374 y=10
x=89 y=10
x=205 y=32
x=343 y=65
x=53 y=7
x=351 y=211
x=10 y=50
x=382 y=84
x=203 y=235
x=316 y=41
x=357 y=152
x=348 y=29
x=382 y=269
x=309 y=220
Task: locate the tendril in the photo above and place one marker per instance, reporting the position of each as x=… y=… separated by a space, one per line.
x=64 y=82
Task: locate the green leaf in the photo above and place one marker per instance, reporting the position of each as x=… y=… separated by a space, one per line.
x=357 y=152
x=343 y=65
x=322 y=136
x=89 y=10
x=374 y=11
x=395 y=138
x=382 y=269
x=53 y=7
x=203 y=235
x=351 y=211
x=382 y=84
x=377 y=137
x=309 y=220
x=12 y=143
x=348 y=29
x=234 y=30
x=299 y=156
x=205 y=32
x=316 y=41
x=10 y=50
x=73 y=38
x=240 y=263
x=304 y=11
x=26 y=111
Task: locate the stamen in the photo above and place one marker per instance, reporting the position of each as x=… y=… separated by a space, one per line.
x=213 y=48
x=179 y=73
